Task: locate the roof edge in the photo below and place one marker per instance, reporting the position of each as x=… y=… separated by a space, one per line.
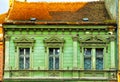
x=58 y=23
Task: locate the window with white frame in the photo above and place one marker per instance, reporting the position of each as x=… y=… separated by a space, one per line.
x=24 y=46
x=54 y=50
x=24 y=58
x=93 y=58
x=93 y=49
x=54 y=54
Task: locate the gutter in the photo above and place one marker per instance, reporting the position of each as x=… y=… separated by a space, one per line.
x=57 y=23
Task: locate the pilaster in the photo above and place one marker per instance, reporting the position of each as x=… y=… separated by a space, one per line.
x=112 y=52
x=75 y=50
x=7 y=44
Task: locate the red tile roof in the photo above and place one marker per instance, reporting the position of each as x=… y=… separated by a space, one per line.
x=25 y=11
x=2 y=17
x=65 y=6
x=57 y=12
x=94 y=11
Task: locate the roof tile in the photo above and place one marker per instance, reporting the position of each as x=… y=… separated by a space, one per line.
x=25 y=11
x=61 y=11
x=2 y=17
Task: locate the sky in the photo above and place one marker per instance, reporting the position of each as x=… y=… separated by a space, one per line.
x=4 y=4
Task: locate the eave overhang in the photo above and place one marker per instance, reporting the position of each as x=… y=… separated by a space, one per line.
x=57 y=23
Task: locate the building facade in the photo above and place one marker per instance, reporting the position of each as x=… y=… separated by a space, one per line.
x=75 y=45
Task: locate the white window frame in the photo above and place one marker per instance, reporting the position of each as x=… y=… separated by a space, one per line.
x=54 y=56
x=93 y=57
x=24 y=57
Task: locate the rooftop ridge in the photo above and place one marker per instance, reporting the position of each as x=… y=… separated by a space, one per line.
x=63 y=2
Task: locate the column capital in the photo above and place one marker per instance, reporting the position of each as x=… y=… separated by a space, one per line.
x=75 y=38
x=112 y=38
x=7 y=37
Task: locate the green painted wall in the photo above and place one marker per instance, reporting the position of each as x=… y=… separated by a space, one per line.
x=68 y=57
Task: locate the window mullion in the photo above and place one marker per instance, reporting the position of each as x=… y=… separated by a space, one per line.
x=93 y=59
x=24 y=58
x=53 y=58
x=53 y=62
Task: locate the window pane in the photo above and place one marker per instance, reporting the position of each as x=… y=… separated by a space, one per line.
x=87 y=58
x=87 y=51
x=21 y=58
x=99 y=58
x=57 y=51
x=87 y=63
x=99 y=63
x=21 y=51
x=27 y=51
x=56 y=63
x=21 y=63
x=99 y=51
x=50 y=62
x=50 y=51
x=27 y=63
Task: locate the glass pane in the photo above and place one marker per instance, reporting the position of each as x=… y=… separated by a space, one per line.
x=50 y=51
x=54 y=58
x=99 y=58
x=21 y=50
x=87 y=63
x=24 y=54
x=57 y=51
x=87 y=51
x=50 y=62
x=27 y=63
x=99 y=63
x=21 y=63
x=56 y=63
x=99 y=51
x=27 y=51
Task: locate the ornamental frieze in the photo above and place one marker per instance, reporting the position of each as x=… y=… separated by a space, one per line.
x=23 y=42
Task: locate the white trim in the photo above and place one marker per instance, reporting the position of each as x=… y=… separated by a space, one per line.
x=57 y=78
